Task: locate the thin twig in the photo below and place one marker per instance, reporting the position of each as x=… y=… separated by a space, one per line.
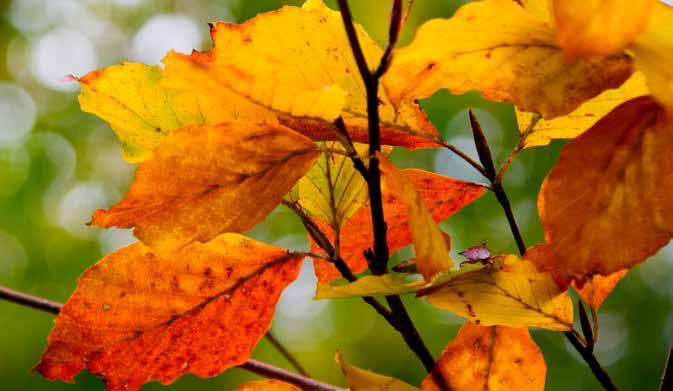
x=589 y=357
x=254 y=366
x=407 y=13
x=667 y=376
x=286 y=353
x=393 y=34
x=519 y=147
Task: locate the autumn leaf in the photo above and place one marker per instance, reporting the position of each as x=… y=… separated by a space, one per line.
x=267 y=385
x=138 y=316
x=362 y=380
x=388 y=284
x=653 y=51
x=206 y=180
x=511 y=293
x=298 y=63
x=599 y=27
x=598 y=287
x=606 y=204
x=507 y=54
x=333 y=189
x=495 y=358
x=583 y=118
x=441 y=195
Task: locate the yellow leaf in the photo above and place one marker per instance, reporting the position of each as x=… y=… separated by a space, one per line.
x=540 y=8
x=584 y=117
x=298 y=61
x=207 y=180
x=432 y=254
x=333 y=189
x=387 y=284
x=495 y=358
x=361 y=380
x=653 y=51
x=599 y=27
x=606 y=205
x=507 y=54
x=511 y=293
x=267 y=385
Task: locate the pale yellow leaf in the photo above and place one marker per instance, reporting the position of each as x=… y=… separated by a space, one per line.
x=362 y=380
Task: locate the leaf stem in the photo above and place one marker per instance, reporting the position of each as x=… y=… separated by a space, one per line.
x=667 y=376
x=254 y=366
x=379 y=260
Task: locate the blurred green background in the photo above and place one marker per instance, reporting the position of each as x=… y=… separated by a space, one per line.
x=58 y=164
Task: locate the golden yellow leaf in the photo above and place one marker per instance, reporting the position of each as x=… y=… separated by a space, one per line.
x=207 y=180
x=432 y=254
x=584 y=117
x=267 y=385
x=333 y=189
x=298 y=62
x=606 y=205
x=599 y=27
x=540 y=8
x=511 y=293
x=653 y=51
x=388 y=284
x=495 y=358
x=362 y=380
x=508 y=54
x=138 y=316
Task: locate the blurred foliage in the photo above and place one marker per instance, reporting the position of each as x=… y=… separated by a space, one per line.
x=68 y=164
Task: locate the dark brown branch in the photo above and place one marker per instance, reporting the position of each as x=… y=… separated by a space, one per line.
x=585 y=349
x=378 y=262
x=254 y=366
x=286 y=354
x=667 y=376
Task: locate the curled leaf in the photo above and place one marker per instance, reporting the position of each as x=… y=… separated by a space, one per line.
x=206 y=180
x=267 y=385
x=137 y=316
x=362 y=380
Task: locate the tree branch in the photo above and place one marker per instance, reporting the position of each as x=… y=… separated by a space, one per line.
x=254 y=366
x=286 y=354
x=584 y=349
x=379 y=260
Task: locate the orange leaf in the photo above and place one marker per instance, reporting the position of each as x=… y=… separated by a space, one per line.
x=598 y=287
x=495 y=358
x=442 y=196
x=137 y=316
x=297 y=62
x=599 y=27
x=206 y=180
x=606 y=205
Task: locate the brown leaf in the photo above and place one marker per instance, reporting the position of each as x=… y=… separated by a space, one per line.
x=606 y=205
x=495 y=358
x=137 y=316
x=206 y=180
x=442 y=196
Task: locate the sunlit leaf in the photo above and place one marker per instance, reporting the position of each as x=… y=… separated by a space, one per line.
x=597 y=288
x=584 y=117
x=600 y=27
x=362 y=380
x=298 y=63
x=510 y=293
x=441 y=195
x=507 y=54
x=138 y=316
x=495 y=358
x=653 y=51
x=606 y=205
x=388 y=284
x=206 y=180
